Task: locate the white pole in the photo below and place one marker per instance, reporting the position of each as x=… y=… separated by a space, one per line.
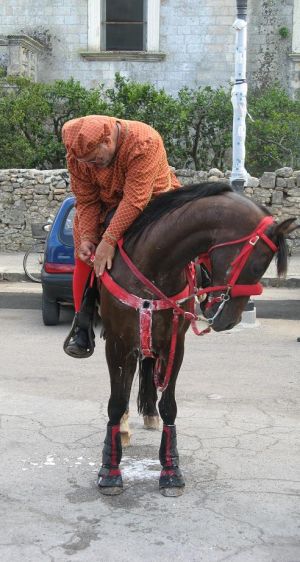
x=239 y=174
x=239 y=99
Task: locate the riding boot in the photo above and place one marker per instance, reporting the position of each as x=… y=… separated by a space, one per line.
x=170 y=476
x=109 y=474
x=80 y=342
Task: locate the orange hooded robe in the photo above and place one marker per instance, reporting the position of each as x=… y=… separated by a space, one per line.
x=138 y=172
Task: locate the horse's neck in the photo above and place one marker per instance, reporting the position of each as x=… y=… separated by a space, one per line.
x=165 y=247
x=181 y=235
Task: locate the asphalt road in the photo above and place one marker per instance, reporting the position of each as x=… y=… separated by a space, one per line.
x=238 y=430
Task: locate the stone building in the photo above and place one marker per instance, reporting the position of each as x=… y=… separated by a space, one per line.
x=171 y=43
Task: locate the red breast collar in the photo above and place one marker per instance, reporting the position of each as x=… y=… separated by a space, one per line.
x=138 y=302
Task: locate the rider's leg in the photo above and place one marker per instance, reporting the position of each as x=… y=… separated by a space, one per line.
x=80 y=342
x=81 y=274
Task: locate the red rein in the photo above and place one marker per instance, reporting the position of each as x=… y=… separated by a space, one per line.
x=147 y=306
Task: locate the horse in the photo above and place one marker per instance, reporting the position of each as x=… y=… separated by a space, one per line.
x=147 y=302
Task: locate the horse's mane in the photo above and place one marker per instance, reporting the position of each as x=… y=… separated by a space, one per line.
x=166 y=202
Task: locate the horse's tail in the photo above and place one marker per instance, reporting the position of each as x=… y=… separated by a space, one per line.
x=147 y=395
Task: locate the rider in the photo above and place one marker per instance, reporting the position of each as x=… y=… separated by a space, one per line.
x=113 y=164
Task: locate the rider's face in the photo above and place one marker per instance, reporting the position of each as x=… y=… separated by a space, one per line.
x=102 y=155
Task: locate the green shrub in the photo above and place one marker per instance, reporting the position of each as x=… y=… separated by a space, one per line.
x=273 y=139
x=207 y=134
x=196 y=126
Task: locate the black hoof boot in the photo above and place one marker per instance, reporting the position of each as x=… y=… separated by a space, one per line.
x=80 y=342
x=171 y=482
x=109 y=477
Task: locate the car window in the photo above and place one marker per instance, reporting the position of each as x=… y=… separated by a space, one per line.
x=66 y=231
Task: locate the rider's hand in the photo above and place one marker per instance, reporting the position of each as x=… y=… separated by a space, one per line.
x=103 y=257
x=86 y=250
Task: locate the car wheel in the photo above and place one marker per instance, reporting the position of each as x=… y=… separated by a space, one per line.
x=50 y=311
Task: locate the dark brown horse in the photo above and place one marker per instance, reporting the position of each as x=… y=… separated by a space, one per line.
x=174 y=229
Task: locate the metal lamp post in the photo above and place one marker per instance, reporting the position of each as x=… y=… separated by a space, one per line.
x=239 y=99
x=239 y=174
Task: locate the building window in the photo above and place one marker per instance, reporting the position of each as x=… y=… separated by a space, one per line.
x=123 y=30
x=296 y=27
x=124 y=25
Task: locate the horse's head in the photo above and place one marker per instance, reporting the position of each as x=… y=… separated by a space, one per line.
x=237 y=266
x=237 y=238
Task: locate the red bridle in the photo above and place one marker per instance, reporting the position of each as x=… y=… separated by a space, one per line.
x=236 y=267
x=230 y=290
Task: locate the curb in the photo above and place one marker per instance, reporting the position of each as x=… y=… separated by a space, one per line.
x=13 y=277
x=291 y=283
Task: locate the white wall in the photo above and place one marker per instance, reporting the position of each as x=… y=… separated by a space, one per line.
x=196 y=35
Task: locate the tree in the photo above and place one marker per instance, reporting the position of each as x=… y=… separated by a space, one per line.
x=32 y=116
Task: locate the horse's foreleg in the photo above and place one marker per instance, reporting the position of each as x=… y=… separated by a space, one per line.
x=171 y=482
x=121 y=368
x=110 y=477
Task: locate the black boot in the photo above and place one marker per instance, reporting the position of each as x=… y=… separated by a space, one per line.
x=80 y=342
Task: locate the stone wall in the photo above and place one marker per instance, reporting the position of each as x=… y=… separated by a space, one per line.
x=268 y=51
x=32 y=196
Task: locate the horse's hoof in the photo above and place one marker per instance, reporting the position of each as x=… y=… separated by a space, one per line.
x=172 y=492
x=171 y=482
x=111 y=491
x=110 y=481
x=151 y=422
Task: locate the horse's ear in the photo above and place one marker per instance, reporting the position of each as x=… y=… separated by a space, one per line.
x=285 y=227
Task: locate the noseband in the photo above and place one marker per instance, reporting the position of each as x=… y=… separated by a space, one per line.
x=230 y=290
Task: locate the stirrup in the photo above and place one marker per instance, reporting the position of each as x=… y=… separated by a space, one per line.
x=91 y=339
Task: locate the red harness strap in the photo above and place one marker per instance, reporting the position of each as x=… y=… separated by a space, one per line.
x=251 y=241
x=137 y=302
x=238 y=264
x=156 y=291
x=145 y=308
